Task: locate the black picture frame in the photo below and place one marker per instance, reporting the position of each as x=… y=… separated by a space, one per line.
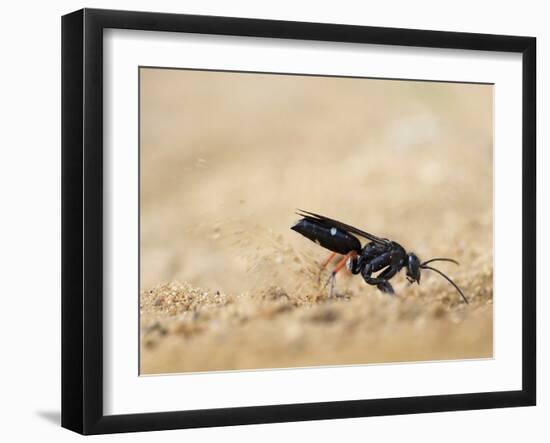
x=82 y=218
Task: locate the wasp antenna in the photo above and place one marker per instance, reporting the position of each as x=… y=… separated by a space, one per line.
x=439 y=259
x=423 y=266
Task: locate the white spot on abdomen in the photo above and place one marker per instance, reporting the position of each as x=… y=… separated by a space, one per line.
x=332 y=231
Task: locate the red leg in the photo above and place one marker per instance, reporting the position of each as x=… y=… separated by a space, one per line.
x=327 y=261
x=339 y=266
x=342 y=262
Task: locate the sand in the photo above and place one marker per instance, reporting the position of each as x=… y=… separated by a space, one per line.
x=225 y=161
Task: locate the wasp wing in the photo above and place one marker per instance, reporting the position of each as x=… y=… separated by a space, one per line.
x=329 y=222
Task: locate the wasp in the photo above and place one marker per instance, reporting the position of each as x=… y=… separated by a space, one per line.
x=378 y=254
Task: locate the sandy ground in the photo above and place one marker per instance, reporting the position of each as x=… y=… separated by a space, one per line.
x=226 y=159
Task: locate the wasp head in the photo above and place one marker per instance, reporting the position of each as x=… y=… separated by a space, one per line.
x=413 y=268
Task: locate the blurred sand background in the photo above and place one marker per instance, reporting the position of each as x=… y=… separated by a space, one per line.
x=226 y=158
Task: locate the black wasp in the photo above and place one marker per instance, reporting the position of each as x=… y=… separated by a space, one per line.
x=380 y=254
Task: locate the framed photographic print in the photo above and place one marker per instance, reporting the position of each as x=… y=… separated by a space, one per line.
x=269 y=221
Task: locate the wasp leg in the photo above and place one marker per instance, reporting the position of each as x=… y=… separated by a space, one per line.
x=324 y=265
x=327 y=261
x=381 y=282
x=355 y=264
x=332 y=280
x=386 y=287
x=350 y=255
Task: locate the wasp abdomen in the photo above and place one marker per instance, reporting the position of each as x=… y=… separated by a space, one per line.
x=330 y=238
